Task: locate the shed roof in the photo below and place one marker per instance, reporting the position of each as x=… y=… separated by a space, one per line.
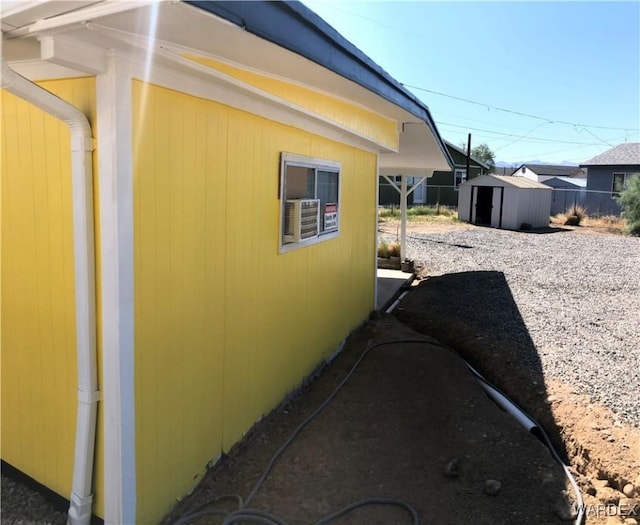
x=622 y=154
x=504 y=181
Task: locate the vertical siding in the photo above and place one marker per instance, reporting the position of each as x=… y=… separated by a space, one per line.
x=495 y=203
x=511 y=208
x=464 y=202
x=38 y=311
x=225 y=325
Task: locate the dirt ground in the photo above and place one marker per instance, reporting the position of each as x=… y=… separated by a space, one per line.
x=410 y=424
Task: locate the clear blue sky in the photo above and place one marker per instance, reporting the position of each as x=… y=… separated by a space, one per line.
x=576 y=62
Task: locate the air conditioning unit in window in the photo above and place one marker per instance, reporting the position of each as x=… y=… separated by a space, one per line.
x=301 y=219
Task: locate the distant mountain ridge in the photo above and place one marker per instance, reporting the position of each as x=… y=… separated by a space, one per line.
x=503 y=164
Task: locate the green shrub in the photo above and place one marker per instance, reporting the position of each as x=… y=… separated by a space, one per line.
x=388 y=213
x=629 y=199
x=383 y=250
x=421 y=210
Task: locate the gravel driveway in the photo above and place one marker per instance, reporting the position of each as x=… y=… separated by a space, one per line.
x=578 y=294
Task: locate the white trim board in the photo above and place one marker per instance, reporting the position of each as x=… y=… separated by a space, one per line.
x=116 y=240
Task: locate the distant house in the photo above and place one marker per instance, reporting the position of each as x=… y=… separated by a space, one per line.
x=607 y=175
x=441 y=187
x=567 y=193
x=542 y=172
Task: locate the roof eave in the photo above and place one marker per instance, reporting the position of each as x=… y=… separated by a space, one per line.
x=311 y=37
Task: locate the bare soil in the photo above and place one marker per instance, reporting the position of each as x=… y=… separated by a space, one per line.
x=411 y=424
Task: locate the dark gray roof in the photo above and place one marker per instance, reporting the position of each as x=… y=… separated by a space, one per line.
x=552 y=170
x=628 y=153
x=503 y=170
x=560 y=182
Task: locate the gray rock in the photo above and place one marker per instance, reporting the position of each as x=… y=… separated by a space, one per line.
x=492 y=487
x=451 y=468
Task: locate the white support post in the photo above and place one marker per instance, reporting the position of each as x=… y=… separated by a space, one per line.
x=403 y=217
x=114 y=101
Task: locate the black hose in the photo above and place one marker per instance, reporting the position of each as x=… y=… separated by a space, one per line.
x=257 y=516
x=245 y=513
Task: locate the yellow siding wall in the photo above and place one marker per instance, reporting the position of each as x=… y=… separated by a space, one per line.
x=225 y=326
x=363 y=121
x=38 y=311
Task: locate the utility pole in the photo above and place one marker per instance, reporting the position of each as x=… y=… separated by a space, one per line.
x=468 y=156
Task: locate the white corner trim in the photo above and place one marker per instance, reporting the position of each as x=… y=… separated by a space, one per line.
x=116 y=240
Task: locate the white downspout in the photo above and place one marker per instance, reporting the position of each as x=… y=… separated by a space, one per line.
x=82 y=145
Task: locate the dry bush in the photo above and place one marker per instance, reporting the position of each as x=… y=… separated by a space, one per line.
x=610 y=223
x=394 y=249
x=574 y=215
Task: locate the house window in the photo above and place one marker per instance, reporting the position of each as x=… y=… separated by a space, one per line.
x=620 y=181
x=309 y=200
x=460 y=177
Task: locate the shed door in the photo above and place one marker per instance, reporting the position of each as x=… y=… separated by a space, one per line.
x=484 y=204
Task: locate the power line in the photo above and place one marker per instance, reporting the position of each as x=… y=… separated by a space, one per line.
x=536 y=139
x=505 y=110
x=521 y=137
x=536 y=155
x=548 y=120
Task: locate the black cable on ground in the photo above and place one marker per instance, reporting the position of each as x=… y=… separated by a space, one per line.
x=247 y=515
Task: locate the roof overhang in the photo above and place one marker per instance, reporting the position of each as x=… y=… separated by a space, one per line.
x=74 y=36
x=417 y=154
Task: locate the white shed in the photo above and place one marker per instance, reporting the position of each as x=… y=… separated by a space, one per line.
x=504 y=202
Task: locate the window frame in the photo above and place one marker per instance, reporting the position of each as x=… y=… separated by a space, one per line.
x=456 y=184
x=317 y=164
x=625 y=176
